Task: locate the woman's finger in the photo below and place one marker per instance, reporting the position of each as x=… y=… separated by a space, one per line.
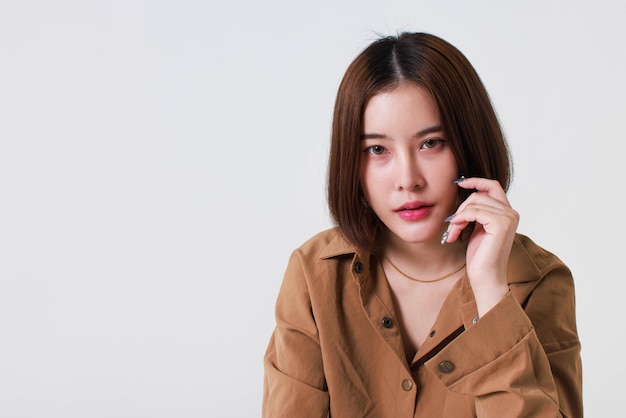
x=483 y=199
x=493 y=219
x=489 y=187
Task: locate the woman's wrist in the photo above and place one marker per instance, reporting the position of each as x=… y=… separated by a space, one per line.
x=488 y=295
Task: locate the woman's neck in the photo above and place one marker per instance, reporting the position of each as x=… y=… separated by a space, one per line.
x=424 y=260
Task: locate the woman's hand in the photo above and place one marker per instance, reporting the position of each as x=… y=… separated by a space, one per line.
x=490 y=244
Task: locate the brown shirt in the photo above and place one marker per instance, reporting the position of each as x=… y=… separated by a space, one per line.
x=337 y=349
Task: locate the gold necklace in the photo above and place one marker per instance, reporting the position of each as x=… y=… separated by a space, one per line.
x=445 y=276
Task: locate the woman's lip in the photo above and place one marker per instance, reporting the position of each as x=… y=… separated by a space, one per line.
x=414 y=214
x=412 y=205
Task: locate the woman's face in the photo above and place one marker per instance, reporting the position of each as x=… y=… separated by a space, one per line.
x=406 y=166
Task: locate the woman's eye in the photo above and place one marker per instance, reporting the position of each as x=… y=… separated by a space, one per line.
x=431 y=143
x=375 y=150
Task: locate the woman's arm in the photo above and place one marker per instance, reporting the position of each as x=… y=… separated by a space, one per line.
x=514 y=361
x=502 y=362
x=294 y=378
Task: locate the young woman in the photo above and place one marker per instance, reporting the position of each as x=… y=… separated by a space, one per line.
x=423 y=301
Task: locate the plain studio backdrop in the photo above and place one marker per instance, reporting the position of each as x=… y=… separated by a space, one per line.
x=160 y=160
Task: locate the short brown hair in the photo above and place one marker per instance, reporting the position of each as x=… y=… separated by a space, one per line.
x=469 y=121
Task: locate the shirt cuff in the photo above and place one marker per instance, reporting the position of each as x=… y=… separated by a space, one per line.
x=497 y=332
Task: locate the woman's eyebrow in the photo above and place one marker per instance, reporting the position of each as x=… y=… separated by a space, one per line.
x=423 y=132
x=432 y=129
x=373 y=136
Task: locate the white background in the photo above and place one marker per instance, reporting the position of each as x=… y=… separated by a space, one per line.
x=159 y=161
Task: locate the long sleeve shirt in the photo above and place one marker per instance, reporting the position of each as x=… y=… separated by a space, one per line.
x=337 y=348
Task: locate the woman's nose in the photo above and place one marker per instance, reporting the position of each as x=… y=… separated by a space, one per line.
x=407 y=173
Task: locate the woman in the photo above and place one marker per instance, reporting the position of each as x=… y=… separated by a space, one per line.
x=423 y=301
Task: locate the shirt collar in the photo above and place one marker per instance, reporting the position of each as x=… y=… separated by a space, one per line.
x=521 y=269
x=338 y=246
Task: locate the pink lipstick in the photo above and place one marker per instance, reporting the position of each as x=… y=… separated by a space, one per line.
x=414 y=211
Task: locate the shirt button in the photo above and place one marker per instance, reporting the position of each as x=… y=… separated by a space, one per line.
x=446 y=367
x=387 y=322
x=358 y=267
x=407 y=384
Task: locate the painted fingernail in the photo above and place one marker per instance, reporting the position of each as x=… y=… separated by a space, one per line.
x=460 y=179
x=449 y=218
x=444 y=237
